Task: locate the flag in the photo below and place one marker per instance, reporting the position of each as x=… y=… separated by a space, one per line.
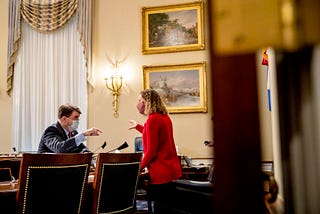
x=266 y=63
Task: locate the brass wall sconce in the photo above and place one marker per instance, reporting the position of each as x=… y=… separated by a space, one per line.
x=114 y=84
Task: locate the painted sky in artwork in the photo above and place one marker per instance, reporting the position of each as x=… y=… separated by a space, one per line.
x=178 y=79
x=187 y=18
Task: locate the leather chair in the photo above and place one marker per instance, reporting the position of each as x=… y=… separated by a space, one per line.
x=138 y=144
x=115 y=182
x=53 y=183
x=195 y=196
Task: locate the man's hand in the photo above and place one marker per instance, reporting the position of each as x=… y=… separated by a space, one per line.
x=92 y=132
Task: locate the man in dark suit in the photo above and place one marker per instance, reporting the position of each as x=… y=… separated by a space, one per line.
x=62 y=136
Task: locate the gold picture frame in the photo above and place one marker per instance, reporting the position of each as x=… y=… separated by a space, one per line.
x=182 y=86
x=172 y=28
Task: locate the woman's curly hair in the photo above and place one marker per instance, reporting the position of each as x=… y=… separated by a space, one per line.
x=154 y=103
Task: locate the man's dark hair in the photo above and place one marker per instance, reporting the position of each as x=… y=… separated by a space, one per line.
x=67 y=109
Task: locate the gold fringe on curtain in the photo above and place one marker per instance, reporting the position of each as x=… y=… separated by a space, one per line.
x=14 y=36
x=48 y=17
x=84 y=26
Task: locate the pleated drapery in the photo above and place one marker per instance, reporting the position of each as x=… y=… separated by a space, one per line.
x=47 y=65
x=46 y=16
x=14 y=35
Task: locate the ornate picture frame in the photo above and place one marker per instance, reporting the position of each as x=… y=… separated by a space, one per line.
x=182 y=86
x=173 y=28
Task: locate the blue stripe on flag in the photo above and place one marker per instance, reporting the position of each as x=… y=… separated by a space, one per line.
x=269 y=99
x=268 y=89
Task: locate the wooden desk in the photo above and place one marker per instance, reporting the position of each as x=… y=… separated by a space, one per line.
x=11 y=162
x=195 y=173
x=8 y=192
x=7 y=187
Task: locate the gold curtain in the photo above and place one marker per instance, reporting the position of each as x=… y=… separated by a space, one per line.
x=47 y=16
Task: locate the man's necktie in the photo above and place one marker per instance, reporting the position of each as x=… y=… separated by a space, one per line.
x=70 y=134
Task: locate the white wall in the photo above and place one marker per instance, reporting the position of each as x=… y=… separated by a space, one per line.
x=118 y=36
x=5 y=100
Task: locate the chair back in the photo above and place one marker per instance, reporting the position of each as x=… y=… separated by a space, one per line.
x=53 y=183
x=115 y=182
x=138 y=144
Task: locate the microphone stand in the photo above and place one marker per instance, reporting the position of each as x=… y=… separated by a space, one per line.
x=94 y=157
x=15 y=153
x=123 y=146
x=102 y=147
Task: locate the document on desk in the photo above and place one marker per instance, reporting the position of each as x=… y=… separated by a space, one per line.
x=190 y=164
x=199 y=182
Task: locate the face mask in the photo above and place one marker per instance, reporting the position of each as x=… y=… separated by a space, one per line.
x=74 y=125
x=140 y=107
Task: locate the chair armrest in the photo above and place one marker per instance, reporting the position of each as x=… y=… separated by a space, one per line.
x=200 y=186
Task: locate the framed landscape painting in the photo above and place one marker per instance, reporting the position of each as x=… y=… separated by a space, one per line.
x=182 y=87
x=172 y=28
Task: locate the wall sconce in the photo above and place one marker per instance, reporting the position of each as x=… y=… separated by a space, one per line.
x=114 y=84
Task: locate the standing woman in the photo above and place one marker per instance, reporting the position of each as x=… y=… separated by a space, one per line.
x=160 y=156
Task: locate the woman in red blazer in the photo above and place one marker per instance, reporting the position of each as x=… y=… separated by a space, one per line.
x=160 y=158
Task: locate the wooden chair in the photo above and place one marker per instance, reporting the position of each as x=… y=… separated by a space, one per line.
x=115 y=182
x=53 y=183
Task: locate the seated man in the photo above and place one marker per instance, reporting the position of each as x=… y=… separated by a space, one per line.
x=62 y=136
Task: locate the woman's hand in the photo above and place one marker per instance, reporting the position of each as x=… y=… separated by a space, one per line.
x=133 y=124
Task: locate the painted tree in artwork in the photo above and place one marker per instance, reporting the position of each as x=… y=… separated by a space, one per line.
x=157 y=26
x=166 y=31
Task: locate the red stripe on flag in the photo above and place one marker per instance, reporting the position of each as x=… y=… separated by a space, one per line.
x=264 y=57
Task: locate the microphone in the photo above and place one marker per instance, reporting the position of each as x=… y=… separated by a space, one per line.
x=122 y=146
x=102 y=147
x=15 y=153
x=208 y=143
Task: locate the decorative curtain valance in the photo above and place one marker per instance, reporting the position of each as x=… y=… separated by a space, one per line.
x=49 y=16
x=46 y=16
